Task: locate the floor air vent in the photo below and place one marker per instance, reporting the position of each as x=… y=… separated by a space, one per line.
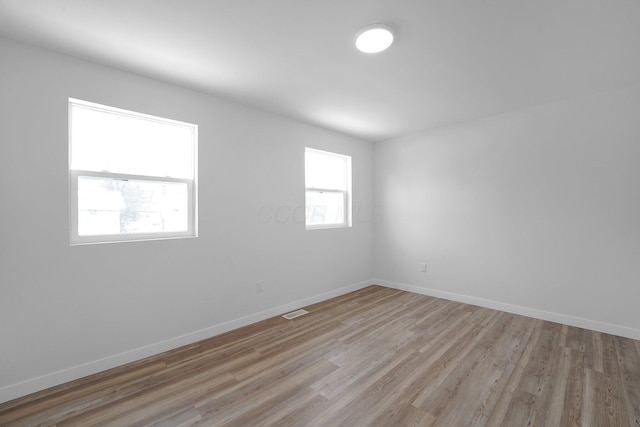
x=295 y=314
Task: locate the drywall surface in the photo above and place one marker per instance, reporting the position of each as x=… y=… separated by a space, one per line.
x=537 y=209
x=63 y=306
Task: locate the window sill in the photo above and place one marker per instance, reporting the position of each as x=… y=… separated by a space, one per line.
x=325 y=227
x=99 y=240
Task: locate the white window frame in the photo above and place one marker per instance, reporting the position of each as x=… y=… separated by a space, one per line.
x=346 y=194
x=74 y=174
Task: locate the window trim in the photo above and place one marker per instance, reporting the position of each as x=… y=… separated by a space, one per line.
x=346 y=193
x=76 y=239
x=74 y=174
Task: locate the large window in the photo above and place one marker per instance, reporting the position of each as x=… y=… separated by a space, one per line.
x=132 y=176
x=328 y=189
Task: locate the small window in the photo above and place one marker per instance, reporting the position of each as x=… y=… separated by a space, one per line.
x=132 y=176
x=328 y=189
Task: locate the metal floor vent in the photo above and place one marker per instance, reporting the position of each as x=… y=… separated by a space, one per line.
x=295 y=314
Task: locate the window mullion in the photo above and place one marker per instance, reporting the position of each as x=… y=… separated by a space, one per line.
x=126 y=176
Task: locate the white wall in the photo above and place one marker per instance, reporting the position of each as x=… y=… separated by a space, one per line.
x=68 y=311
x=534 y=211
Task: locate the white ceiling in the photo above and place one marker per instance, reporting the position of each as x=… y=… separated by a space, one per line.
x=453 y=60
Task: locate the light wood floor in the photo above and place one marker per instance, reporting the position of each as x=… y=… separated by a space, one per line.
x=376 y=357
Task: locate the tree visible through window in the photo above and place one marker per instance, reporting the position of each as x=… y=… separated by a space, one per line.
x=132 y=176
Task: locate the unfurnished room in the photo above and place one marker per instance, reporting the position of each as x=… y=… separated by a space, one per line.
x=320 y=213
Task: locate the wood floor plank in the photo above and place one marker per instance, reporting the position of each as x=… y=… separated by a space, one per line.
x=573 y=389
x=629 y=365
x=183 y=417
x=592 y=411
x=349 y=401
x=541 y=375
x=484 y=393
x=506 y=398
x=136 y=407
x=610 y=389
x=79 y=397
x=594 y=355
x=559 y=395
x=445 y=362
x=374 y=357
x=470 y=384
x=576 y=338
x=232 y=410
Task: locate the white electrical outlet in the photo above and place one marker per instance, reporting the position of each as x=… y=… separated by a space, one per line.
x=423 y=267
x=259 y=288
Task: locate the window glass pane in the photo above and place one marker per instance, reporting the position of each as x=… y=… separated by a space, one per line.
x=108 y=206
x=325 y=170
x=325 y=207
x=106 y=141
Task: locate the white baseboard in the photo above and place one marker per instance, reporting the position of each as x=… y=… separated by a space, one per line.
x=33 y=385
x=608 y=328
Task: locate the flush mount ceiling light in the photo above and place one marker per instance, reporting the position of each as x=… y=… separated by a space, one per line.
x=374 y=38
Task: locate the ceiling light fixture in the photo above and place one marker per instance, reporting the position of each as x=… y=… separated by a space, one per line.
x=374 y=38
